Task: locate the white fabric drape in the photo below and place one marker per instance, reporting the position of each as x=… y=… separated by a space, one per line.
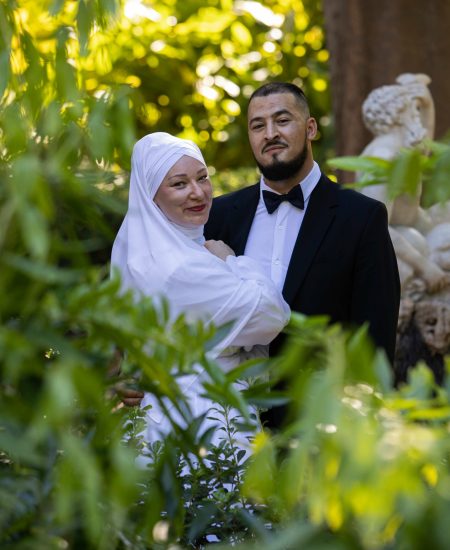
x=156 y=257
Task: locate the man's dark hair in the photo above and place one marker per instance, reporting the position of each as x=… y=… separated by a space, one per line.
x=282 y=88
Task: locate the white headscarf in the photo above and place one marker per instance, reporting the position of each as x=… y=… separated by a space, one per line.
x=156 y=257
x=148 y=246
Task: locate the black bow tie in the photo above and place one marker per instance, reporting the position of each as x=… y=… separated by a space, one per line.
x=273 y=200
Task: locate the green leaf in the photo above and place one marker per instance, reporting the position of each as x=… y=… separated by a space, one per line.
x=65 y=73
x=219 y=335
x=56 y=6
x=260 y=477
x=203 y=517
x=84 y=23
x=420 y=382
x=405 y=174
x=437 y=189
x=41 y=271
x=358 y=164
x=124 y=125
x=34 y=232
x=271 y=400
x=438 y=413
x=4 y=69
x=20 y=449
x=360 y=357
x=383 y=371
x=248 y=369
x=101 y=133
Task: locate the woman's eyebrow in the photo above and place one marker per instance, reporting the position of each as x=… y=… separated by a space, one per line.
x=202 y=169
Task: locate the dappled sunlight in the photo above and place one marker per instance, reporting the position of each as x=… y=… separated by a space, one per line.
x=136 y=10
x=260 y=12
x=206 y=60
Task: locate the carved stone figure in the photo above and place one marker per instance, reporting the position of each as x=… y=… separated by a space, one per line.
x=402 y=115
x=438 y=240
x=432 y=318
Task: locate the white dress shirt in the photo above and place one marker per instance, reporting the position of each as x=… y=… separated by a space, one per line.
x=272 y=236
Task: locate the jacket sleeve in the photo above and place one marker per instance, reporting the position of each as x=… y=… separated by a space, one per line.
x=376 y=285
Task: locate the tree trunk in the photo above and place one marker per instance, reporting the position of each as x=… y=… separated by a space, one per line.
x=371 y=42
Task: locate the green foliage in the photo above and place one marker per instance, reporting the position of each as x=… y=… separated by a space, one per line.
x=189 y=66
x=425 y=169
x=67 y=477
x=357 y=465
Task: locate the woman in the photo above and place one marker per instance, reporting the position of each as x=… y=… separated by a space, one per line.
x=160 y=251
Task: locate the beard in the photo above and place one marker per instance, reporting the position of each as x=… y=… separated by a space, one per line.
x=281 y=170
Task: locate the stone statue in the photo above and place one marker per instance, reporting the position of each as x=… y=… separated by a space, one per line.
x=402 y=115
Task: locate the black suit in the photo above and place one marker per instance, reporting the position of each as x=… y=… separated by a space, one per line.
x=343 y=264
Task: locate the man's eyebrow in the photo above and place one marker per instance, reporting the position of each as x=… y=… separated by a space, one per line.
x=282 y=112
x=275 y=114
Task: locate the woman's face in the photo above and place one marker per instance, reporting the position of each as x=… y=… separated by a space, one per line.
x=185 y=194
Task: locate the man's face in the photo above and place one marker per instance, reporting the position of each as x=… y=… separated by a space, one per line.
x=279 y=132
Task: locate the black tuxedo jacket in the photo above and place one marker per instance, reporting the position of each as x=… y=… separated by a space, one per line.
x=343 y=264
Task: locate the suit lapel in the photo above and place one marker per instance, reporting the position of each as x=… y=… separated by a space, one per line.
x=242 y=214
x=318 y=218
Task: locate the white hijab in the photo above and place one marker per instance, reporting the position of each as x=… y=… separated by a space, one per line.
x=157 y=257
x=148 y=246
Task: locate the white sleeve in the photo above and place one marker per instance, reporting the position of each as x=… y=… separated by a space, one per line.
x=271 y=310
x=236 y=290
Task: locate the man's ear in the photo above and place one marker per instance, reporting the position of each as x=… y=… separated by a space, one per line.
x=311 y=128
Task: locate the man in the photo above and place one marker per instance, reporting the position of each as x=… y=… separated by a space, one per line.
x=330 y=250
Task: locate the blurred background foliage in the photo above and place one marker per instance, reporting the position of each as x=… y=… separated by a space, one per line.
x=188 y=67
x=80 y=81
x=359 y=465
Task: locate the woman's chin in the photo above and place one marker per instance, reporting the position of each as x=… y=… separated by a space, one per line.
x=191 y=223
x=195 y=220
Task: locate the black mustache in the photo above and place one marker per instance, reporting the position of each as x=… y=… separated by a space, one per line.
x=272 y=143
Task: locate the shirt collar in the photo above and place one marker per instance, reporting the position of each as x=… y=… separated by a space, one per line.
x=307 y=184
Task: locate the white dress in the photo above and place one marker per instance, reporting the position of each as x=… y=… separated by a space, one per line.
x=156 y=257
x=245 y=292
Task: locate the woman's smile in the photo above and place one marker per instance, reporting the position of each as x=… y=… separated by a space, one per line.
x=185 y=194
x=198 y=208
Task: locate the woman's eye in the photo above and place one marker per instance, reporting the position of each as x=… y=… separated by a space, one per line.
x=203 y=178
x=178 y=184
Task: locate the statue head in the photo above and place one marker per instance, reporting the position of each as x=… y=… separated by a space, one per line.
x=398 y=106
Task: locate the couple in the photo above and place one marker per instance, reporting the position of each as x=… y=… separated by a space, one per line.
x=293 y=238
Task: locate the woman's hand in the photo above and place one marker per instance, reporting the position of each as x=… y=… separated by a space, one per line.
x=219 y=249
x=129 y=397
